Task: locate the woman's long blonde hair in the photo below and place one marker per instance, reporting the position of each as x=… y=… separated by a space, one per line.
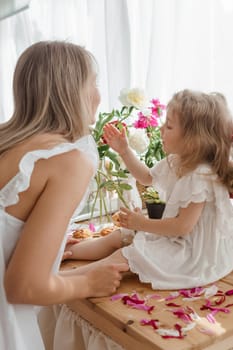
x=50 y=89
x=207 y=130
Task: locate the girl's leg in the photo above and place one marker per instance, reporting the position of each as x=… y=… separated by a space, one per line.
x=97 y=248
x=116 y=258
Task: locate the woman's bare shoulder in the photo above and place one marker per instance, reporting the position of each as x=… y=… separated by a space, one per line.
x=70 y=163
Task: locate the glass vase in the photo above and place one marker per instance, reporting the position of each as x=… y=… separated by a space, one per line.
x=131 y=197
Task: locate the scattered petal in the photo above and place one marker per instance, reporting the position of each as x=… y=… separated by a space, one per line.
x=173 y=305
x=210 y=291
x=191 y=298
x=182 y=314
x=228 y=305
x=220 y=300
x=189 y=327
x=171 y=333
x=213 y=308
x=144 y=307
x=92 y=227
x=229 y=292
x=210 y=318
x=172 y=295
x=193 y=292
x=206 y=331
x=154 y=323
x=118 y=296
x=153 y=296
x=132 y=299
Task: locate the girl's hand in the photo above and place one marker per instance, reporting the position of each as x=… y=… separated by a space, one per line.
x=67 y=252
x=132 y=220
x=115 y=138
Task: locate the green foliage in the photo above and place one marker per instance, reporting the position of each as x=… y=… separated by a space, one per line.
x=155 y=150
x=151 y=196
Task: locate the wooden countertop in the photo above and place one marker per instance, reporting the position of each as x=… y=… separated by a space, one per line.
x=122 y=323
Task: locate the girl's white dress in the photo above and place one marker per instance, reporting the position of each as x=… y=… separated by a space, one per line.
x=18 y=323
x=204 y=255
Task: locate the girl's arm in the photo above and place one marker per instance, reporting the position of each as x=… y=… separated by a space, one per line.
x=29 y=278
x=181 y=225
x=117 y=140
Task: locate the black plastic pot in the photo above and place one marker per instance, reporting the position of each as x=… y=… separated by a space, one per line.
x=155 y=210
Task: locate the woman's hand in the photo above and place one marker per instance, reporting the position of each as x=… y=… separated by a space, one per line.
x=133 y=220
x=104 y=278
x=115 y=138
x=67 y=252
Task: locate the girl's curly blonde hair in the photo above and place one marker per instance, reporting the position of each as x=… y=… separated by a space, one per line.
x=207 y=131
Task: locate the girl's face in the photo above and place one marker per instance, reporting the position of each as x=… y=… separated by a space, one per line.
x=171 y=133
x=94 y=98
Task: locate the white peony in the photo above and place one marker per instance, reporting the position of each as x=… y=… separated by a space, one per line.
x=138 y=140
x=133 y=97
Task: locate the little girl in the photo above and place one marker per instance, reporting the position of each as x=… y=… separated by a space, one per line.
x=192 y=245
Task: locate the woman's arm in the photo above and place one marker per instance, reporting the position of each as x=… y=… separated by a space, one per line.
x=181 y=225
x=29 y=278
x=117 y=140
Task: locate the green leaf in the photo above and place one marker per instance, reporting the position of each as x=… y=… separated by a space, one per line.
x=131 y=109
x=108 y=185
x=123 y=109
x=120 y=173
x=125 y=186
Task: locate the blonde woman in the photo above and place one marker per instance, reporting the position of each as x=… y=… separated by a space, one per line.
x=45 y=170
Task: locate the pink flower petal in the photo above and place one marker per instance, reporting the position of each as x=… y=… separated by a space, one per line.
x=154 y=323
x=210 y=318
x=193 y=292
x=229 y=292
x=143 y=307
x=171 y=333
x=173 y=305
x=220 y=300
x=118 y=296
x=153 y=296
x=172 y=296
x=92 y=227
x=134 y=299
x=216 y=309
x=182 y=315
x=206 y=331
x=228 y=305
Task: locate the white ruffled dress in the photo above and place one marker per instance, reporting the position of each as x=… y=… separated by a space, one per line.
x=204 y=255
x=18 y=323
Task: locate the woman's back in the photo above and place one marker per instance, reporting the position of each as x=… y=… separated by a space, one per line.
x=30 y=167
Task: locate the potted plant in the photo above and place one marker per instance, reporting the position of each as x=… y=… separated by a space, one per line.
x=155 y=206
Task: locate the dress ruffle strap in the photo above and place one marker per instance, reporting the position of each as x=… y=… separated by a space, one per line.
x=9 y=195
x=195 y=187
x=198 y=186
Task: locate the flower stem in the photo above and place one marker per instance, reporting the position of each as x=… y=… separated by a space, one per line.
x=94 y=203
x=122 y=198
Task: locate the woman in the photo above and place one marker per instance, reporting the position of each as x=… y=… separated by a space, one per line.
x=45 y=172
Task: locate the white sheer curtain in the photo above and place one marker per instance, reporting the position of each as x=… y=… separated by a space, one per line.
x=160 y=45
